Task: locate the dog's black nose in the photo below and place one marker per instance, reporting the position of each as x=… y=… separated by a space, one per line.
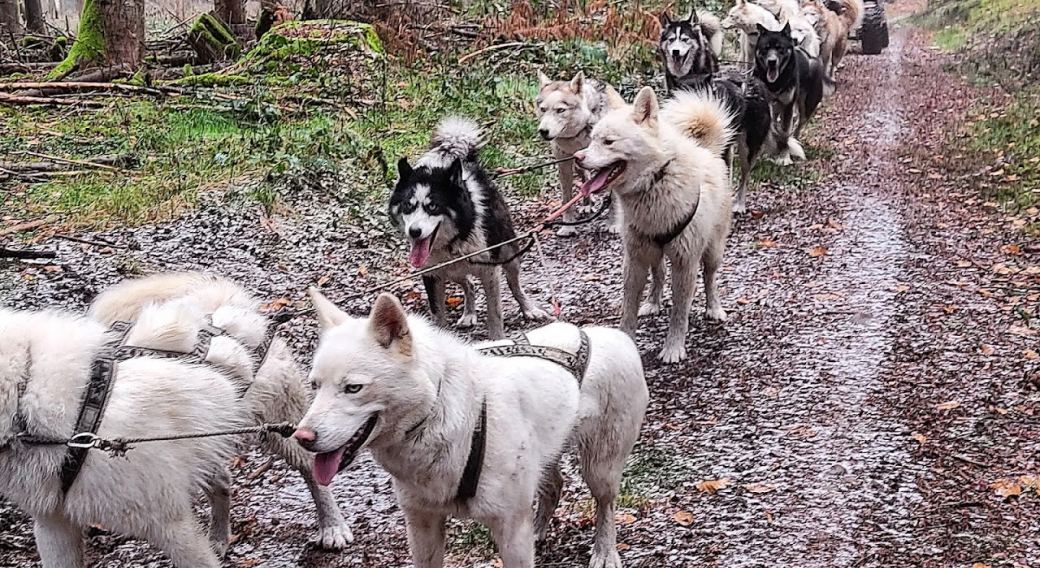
x=415 y=232
x=544 y=133
x=675 y=53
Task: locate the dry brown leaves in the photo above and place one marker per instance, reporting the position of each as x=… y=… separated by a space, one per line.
x=713 y=485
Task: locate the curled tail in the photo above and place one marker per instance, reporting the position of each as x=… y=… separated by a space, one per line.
x=456 y=137
x=851 y=14
x=711 y=27
x=701 y=116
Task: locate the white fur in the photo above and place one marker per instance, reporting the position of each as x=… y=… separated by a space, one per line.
x=746 y=16
x=148 y=494
x=649 y=142
x=277 y=393
x=426 y=387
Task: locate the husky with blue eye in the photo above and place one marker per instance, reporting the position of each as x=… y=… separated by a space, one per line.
x=447 y=207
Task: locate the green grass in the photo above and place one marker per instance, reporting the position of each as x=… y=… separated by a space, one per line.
x=1013 y=137
x=950 y=38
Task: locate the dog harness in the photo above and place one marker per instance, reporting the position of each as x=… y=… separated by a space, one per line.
x=663 y=239
x=103 y=373
x=576 y=363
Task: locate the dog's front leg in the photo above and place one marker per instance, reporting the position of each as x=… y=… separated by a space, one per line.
x=219 y=495
x=566 y=173
x=514 y=535
x=426 y=538
x=435 y=296
x=59 y=542
x=469 y=310
x=530 y=312
x=635 y=271
x=684 y=282
x=491 y=280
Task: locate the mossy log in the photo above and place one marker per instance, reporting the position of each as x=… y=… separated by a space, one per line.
x=212 y=40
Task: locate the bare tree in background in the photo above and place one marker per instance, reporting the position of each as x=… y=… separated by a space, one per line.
x=10 y=23
x=110 y=37
x=232 y=13
x=34 y=21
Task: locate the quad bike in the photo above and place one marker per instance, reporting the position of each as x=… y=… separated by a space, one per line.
x=873 y=34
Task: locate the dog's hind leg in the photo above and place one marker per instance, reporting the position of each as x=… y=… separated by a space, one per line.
x=684 y=283
x=182 y=541
x=435 y=296
x=601 y=468
x=219 y=495
x=549 y=490
x=654 y=301
x=59 y=542
x=425 y=538
x=492 y=284
x=566 y=173
x=711 y=259
x=740 y=204
x=530 y=312
x=469 y=309
x=514 y=535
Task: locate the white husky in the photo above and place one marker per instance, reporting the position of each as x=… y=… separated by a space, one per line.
x=667 y=169
x=277 y=393
x=472 y=435
x=46 y=361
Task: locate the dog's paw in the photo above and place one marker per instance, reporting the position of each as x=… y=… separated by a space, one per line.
x=608 y=559
x=673 y=353
x=566 y=232
x=739 y=207
x=614 y=228
x=220 y=547
x=333 y=538
x=716 y=314
x=784 y=159
x=649 y=309
x=467 y=321
x=535 y=314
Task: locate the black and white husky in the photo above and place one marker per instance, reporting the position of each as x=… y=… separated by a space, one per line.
x=695 y=67
x=447 y=207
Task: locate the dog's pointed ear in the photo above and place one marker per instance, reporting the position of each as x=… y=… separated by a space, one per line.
x=388 y=324
x=693 y=19
x=787 y=29
x=455 y=175
x=761 y=29
x=614 y=99
x=329 y=315
x=543 y=79
x=645 y=107
x=404 y=169
x=578 y=83
x=665 y=20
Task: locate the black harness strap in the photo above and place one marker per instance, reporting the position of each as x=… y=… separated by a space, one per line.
x=475 y=462
x=663 y=239
x=521 y=347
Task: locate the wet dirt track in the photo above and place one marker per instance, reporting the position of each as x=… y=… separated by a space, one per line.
x=856 y=323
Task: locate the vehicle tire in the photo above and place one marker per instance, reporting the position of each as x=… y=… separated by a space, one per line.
x=873 y=34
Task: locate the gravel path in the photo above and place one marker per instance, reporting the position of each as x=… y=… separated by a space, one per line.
x=872 y=383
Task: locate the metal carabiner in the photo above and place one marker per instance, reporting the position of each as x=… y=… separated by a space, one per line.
x=84 y=440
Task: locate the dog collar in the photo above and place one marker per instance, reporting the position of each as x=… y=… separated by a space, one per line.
x=663 y=239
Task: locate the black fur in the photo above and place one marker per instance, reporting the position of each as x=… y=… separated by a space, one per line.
x=704 y=61
x=800 y=80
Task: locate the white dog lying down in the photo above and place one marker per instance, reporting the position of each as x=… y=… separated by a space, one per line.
x=278 y=392
x=46 y=360
x=467 y=434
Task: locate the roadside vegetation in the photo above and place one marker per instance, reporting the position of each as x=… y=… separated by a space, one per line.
x=999 y=45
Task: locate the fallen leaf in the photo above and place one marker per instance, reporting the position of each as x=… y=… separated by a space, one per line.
x=1030 y=354
x=986 y=350
x=624 y=518
x=818 y=252
x=1006 y=488
x=766 y=243
x=743 y=301
x=454 y=301
x=757 y=214
x=276 y=305
x=963 y=263
x=713 y=485
x=324 y=280
x=684 y=518
x=623 y=546
x=1022 y=331
x=949 y=309
x=759 y=488
x=591 y=277
x=979 y=565
x=52 y=268
x=363 y=270
x=901 y=288
x=949 y=405
x=413 y=295
x=920 y=438
x=1011 y=249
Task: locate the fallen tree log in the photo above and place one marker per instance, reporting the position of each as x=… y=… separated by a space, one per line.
x=212 y=40
x=21 y=100
x=26 y=254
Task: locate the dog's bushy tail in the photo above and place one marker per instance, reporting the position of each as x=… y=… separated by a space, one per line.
x=702 y=116
x=457 y=137
x=711 y=27
x=851 y=14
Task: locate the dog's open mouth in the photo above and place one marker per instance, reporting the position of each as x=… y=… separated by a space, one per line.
x=603 y=178
x=420 y=254
x=772 y=73
x=328 y=464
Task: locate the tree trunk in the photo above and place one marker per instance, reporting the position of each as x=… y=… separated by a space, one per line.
x=111 y=34
x=232 y=13
x=34 y=21
x=10 y=23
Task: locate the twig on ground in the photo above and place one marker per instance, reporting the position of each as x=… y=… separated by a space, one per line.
x=17 y=100
x=260 y=471
x=21 y=227
x=495 y=47
x=71 y=161
x=80 y=85
x=26 y=254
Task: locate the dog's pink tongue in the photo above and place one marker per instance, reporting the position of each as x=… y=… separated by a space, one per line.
x=326 y=466
x=596 y=183
x=772 y=75
x=420 y=252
